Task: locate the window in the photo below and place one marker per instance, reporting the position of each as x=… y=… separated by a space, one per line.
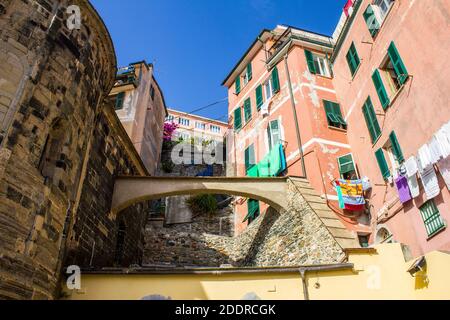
x=184 y=136
x=382 y=163
x=371 y=120
x=383 y=7
x=347 y=167
x=247 y=110
x=170 y=118
x=395 y=63
x=248 y=74
x=273 y=133
x=250 y=160
x=396 y=150
x=119 y=100
x=317 y=64
x=215 y=129
x=184 y=121
x=200 y=125
x=237 y=85
x=381 y=90
x=353 y=59
x=334 y=115
x=432 y=218
x=237 y=119
x=371 y=21
x=259 y=97
x=152 y=92
x=363 y=240
x=253 y=210
x=268 y=88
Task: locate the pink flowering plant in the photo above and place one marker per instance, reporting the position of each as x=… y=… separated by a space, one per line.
x=169 y=130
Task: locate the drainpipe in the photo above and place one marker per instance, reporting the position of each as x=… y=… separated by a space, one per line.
x=294 y=110
x=305 y=285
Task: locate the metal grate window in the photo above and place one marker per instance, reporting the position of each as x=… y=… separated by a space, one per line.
x=432 y=218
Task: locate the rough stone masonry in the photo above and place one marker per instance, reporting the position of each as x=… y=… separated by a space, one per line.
x=60 y=148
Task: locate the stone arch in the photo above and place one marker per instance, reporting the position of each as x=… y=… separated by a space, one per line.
x=383 y=233
x=131 y=190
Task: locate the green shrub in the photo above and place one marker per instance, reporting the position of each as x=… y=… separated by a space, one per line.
x=203 y=204
x=167 y=166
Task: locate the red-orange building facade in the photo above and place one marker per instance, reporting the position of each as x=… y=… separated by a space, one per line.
x=328 y=80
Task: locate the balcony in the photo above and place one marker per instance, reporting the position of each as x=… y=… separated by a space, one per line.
x=292 y=34
x=126 y=78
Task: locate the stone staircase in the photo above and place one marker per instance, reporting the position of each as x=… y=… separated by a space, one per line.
x=345 y=238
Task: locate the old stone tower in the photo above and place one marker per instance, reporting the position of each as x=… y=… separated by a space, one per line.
x=59 y=145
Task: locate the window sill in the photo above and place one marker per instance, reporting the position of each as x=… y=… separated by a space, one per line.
x=337 y=129
x=324 y=77
x=356 y=71
x=437 y=232
x=397 y=93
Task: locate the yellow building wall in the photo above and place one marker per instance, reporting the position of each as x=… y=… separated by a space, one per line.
x=380 y=275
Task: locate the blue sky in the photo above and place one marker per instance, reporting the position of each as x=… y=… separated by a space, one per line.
x=195 y=43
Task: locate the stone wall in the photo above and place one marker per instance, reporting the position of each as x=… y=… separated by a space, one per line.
x=52 y=84
x=95 y=240
x=185 y=244
x=288 y=238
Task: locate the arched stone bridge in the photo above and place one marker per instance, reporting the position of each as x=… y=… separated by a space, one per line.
x=273 y=191
x=131 y=190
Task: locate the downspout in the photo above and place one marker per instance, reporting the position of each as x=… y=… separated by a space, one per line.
x=294 y=110
x=305 y=285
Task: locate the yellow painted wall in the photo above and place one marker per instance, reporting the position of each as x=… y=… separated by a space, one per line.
x=381 y=275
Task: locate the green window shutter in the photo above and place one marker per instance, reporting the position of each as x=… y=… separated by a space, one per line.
x=275 y=80
x=249 y=71
x=397 y=62
x=396 y=147
x=371 y=120
x=247 y=110
x=334 y=115
x=352 y=59
x=238 y=85
x=310 y=61
x=382 y=164
x=249 y=157
x=237 y=119
x=259 y=97
x=119 y=100
x=381 y=90
x=346 y=164
x=431 y=218
x=371 y=21
x=253 y=210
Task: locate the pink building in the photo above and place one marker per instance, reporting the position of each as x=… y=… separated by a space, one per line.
x=141 y=108
x=357 y=105
x=191 y=126
x=281 y=96
x=390 y=67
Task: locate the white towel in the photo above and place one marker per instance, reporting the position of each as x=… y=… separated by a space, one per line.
x=411 y=166
x=430 y=182
x=443 y=141
x=414 y=186
x=265 y=108
x=435 y=150
x=444 y=169
x=424 y=158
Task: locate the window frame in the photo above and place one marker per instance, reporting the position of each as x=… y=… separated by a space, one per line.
x=324 y=60
x=270 y=134
x=434 y=216
x=340 y=122
x=350 y=57
x=340 y=165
